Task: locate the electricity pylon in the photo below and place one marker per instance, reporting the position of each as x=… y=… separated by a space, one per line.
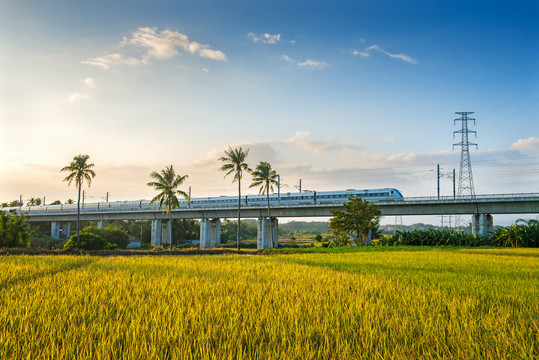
x=466 y=185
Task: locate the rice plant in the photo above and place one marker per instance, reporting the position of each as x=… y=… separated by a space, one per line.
x=461 y=304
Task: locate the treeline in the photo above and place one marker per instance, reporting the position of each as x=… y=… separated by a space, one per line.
x=524 y=233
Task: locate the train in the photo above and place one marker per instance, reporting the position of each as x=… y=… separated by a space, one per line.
x=303 y=198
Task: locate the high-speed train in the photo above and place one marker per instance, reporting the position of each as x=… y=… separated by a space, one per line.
x=322 y=197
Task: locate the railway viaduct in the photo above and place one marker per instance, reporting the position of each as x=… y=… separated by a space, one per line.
x=481 y=207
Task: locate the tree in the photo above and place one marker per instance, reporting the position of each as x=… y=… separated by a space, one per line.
x=167 y=183
x=70 y=201
x=79 y=171
x=31 y=202
x=355 y=219
x=265 y=177
x=234 y=163
x=56 y=202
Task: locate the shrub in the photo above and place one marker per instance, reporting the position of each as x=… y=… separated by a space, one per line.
x=13 y=230
x=88 y=241
x=112 y=234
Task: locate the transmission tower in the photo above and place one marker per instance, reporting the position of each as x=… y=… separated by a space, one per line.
x=465 y=185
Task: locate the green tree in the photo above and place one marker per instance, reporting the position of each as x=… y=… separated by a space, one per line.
x=31 y=202
x=13 y=229
x=265 y=177
x=15 y=203
x=355 y=219
x=79 y=171
x=234 y=163
x=167 y=183
x=70 y=201
x=56 y=202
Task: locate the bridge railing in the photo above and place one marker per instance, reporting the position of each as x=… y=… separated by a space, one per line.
x=509 y=196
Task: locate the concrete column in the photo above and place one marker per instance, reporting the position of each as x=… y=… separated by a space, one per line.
x=156 y=232
x=263 y=238
x=100 y=224
x=489 y=223
x=475 y=224
x=66 y=230
x=210 y=233
x=55 y=230
x=482 y=224
x=215 y=237
x=168 y=232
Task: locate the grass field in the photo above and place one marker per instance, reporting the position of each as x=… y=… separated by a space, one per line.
x=406 y=303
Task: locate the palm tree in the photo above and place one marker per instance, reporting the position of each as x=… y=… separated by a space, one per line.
x=234 y=163
x=265 y=177
x=79 y=170
x=31 y=202
x=167 y=183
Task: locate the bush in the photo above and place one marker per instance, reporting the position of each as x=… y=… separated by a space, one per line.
x=46 y=242
x=13 y=230
x=88 y=241
x=112 y=234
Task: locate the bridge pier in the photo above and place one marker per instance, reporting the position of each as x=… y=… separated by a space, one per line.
x=55 y=230
x=161 y=232
x=263 y=238
x=100 y=224
x=156 y=232
x=58 y=230
x=482 y=224
x=210 y=233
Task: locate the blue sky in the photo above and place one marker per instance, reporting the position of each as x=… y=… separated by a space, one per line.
x=342 y=94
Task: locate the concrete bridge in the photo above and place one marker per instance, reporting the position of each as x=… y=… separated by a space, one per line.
x=481 y=207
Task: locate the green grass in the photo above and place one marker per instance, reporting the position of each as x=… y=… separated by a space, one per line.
x=421 y=303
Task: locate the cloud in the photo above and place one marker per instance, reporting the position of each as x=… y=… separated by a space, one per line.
x=267 y=38
x=287 y=59
x=313 y=64
x=307 y=64
x=375 y=47
x=73 y=98
x=158 y=46
x=89 y=82
x=301 y=140
x=530 y=144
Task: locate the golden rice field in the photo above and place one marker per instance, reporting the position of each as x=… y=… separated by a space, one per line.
x=406 y=304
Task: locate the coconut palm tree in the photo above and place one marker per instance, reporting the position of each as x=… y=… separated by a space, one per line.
x=234 y=163
x=79 y=170
x=167 y=183
x=265 y=177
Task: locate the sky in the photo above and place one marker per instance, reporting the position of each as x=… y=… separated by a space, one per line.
x=340 y=94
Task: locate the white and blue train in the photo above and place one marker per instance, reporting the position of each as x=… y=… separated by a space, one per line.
x=322 y=197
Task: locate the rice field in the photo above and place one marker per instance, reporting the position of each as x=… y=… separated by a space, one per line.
x=406 y=304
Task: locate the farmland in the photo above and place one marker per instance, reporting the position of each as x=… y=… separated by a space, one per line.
x=367 y=303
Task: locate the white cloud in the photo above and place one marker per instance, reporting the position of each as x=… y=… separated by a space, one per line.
x=530 y=144
x=313 y=64
x=157 y=46
x=375 y=47
x=73 y=98
x=301 y=140
x=89 y=82
x=360 y=53
x=288 y=59
x=307 y=64
x=267 y=38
